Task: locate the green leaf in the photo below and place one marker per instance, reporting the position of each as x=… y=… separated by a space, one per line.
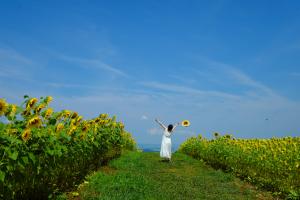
x=25 y=160
x=38 y=169
x=50 y=152
x=52 y=121
x=13 y=155
x=9 y=168
x=2 y=176
x=32 y=157
x=21 y=166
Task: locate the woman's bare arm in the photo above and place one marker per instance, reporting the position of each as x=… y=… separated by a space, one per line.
x=175 y=125
x=161 y=124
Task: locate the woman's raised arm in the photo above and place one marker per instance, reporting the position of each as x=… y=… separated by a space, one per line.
x=175 y=125
x=161 y=124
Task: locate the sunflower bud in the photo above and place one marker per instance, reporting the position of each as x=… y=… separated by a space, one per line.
x=48 y=99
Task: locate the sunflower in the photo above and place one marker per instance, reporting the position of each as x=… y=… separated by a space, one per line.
x=48 y=99
x=34 y=122
x=200 y=137
x=216 y=134
x=91 y=122
x=121 y=125
x=185 y=123
x=72 y=129
x=26 y=113
x=95 y=127
x=103 y=116
x=26 y=135
x=3 y=106
x=11 y=110
x=79 y=118
x=227 y=136
x=66 y=113
x=59 y=127
x=97 y=120
x=73 y=122
x=31 y=103
x=39 y=108
x=13 y=131
x=85 y=127
x=74 y=115
x=48 y=112
x=82 y=136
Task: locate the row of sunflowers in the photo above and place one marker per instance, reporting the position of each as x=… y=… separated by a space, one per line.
x=43 y=152
x=272 y=164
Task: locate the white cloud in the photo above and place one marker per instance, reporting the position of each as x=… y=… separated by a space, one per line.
x=69 y=85
x=244 y=79
x=15 y=66
x=183 y=79
x=144 y=117
x=13 y=55
x=10 y=72
x=210 y=110
x=229 y=73
x=93 y=64
x=188 y=90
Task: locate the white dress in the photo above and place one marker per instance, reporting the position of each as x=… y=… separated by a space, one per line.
x=165 y=149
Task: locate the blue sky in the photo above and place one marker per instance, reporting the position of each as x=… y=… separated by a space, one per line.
x=227 y=66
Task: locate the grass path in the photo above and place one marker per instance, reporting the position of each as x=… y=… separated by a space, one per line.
x=137 y=175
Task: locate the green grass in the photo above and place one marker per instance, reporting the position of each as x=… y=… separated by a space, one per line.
x=137 y=175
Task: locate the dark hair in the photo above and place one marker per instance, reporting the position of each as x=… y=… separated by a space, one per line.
x=170 y=127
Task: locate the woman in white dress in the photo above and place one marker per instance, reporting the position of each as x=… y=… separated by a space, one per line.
x=166 y=145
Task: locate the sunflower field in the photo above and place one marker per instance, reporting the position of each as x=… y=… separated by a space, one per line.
x=43 y=152
x=272 y=164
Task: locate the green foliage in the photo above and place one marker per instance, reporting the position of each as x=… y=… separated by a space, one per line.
x=45 y=152
x=273 y=164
